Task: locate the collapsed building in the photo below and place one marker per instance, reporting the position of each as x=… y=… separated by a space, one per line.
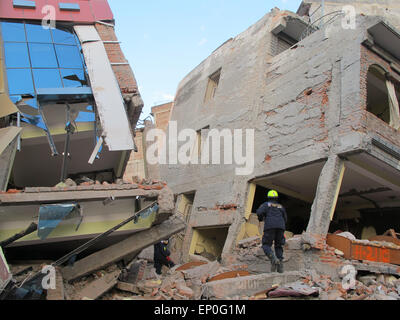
x=324 y=106
x=68 y=112
x=323 y=101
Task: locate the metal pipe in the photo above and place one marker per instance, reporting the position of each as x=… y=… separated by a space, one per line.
x=19 y=126
x=66 y=146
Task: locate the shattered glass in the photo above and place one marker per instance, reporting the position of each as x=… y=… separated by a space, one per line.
x=50 y=216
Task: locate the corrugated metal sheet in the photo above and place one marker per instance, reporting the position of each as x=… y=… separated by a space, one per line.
x=110 y=104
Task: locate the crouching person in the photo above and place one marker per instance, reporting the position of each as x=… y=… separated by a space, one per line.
x=274 y=216
x=162 y=256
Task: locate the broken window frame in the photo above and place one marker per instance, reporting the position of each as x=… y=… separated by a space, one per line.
x=212 y=86
x=393 y=99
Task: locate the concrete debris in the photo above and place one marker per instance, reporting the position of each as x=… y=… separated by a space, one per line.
x=98 y=287
x=198 y=280
x=296 y=289
x=250 y=242
x=339 y=253
x=117 y=252
x=347 y=235
x=294 y=243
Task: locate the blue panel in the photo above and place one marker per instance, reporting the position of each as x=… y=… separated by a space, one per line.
x=50 y=217
x=36 y=121
x=69 y=6
x=61 y=36
x=13 y=31
x=29 y=107
x=36 y=33
x=85 y=117
x=42 y=55
x=47 y=78
x=16 y=55
x=73 y=78
x=24 y=4
x=68 y=56
x=65 y=94
x=20 y=81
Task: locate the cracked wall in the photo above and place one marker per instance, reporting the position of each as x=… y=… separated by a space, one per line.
x=305 y=105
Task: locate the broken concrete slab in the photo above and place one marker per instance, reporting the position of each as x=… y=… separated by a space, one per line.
x=294 y=243
x=247 y=286
x=135 y=272
x=98 y=287
x=245 y=243
x=148 y=286
x=202 y=271
x=117 y=252
x=147 y=254
x=128 y=287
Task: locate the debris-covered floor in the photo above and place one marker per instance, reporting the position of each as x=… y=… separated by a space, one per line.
x=202 y=279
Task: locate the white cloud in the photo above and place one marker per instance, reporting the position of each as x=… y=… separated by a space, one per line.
x=162 y=97
x=202 y=42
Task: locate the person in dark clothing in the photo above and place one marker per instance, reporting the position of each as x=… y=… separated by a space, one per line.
x=275 y=218
x=162 y=256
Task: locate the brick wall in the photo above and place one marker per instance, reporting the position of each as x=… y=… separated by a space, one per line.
x=162 y=115
x=371 y=122
x=124 y=73
x=135 y=166
x=278 y=45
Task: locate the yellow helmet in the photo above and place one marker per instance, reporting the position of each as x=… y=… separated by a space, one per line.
x=273 y=194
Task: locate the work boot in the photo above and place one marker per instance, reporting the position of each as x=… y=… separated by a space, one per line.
x=279 y=266
x=274 y=262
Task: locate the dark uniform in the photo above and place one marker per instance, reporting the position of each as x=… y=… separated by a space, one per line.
x=275 y=218
x=161 y=257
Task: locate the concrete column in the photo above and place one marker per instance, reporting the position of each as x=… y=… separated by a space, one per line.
x=323 y=208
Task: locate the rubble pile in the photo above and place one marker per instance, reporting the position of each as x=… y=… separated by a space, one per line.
x=203 y=279
x=366 y=285
x=183 y=282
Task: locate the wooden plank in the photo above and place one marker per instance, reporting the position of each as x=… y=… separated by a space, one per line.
x=117 y=252
x=60 y=196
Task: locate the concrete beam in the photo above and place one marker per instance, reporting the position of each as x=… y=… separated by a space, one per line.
x=325 y=201
x=61 y=196
x=247 y=286
x=374 y=173
x=98 y=287
x=117 y=252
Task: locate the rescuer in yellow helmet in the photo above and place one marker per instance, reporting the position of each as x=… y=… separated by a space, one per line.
x=275 y=218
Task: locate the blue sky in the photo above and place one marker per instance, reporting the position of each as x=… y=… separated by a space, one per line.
x=164 y=40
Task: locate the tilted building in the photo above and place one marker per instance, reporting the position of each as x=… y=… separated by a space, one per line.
x=69 y=104
x=323 y=101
